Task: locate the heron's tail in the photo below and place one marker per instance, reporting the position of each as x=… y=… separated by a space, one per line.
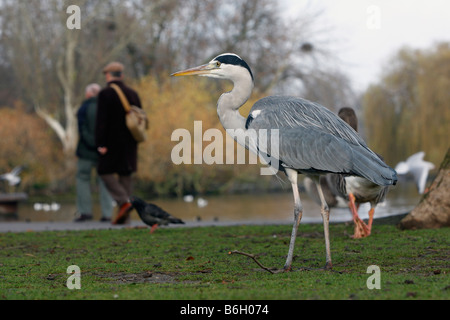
x=368 y=165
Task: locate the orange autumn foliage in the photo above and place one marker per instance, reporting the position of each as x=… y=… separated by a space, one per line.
x=173 y=104
x=26 y=141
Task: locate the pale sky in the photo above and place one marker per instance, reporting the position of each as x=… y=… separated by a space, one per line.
x=366 y=33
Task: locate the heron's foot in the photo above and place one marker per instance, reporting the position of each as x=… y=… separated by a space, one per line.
x=286 y=269
x=328 y=266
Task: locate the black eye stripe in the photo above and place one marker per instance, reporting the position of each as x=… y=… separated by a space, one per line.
x=234 y=60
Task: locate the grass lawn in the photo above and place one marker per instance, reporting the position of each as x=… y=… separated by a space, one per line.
x=194 y=264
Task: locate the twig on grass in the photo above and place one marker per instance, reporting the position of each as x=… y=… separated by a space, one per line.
x=254 y=259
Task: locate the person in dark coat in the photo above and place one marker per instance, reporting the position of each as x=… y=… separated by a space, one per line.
x=88 y=158
x=115 y=144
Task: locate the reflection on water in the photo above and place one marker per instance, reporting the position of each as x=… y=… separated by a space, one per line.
x=270 y=208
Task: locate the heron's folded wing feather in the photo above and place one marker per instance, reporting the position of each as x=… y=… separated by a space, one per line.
x=309 y=150
x=292 y=112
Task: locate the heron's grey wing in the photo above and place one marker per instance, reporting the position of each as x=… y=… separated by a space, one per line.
x=292 y=112
x=314 y=139
x=314 y=151
x=311 y=150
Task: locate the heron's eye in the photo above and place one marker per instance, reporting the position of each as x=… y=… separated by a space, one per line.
x=218 y=64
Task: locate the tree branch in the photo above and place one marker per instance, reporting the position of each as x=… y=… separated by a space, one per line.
x=54 y=124
x=254 y=259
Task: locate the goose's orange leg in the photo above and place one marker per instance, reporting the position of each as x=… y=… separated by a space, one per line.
x=369 y=226
x=361 y=229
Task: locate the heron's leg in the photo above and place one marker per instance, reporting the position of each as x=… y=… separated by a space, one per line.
x=326 y=221
x=298 y=211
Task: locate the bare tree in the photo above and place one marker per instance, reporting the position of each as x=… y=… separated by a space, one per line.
x=187 y=32
x=52 y=63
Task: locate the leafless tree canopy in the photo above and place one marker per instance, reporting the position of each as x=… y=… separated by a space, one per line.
x=49 y=65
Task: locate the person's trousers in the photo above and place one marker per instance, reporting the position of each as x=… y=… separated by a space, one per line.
x=119 y=186
x=84 y=193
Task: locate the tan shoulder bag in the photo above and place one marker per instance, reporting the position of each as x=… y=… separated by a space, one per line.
x=136 y=118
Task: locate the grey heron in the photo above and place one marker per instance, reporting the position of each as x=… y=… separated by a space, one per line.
x=354 y=189
x=311 y=139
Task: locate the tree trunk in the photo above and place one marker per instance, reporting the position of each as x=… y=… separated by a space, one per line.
x=433 y=211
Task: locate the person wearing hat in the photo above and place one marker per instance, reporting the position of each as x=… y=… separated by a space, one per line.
x=115 y=144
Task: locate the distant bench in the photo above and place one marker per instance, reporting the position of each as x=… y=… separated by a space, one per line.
x=9 y=203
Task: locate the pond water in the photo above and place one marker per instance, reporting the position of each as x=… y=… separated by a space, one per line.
x=261 y=208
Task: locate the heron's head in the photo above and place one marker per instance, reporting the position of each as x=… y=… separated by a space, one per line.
x=225 y=66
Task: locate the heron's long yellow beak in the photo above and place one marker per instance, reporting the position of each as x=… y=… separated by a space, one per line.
x=200 y=70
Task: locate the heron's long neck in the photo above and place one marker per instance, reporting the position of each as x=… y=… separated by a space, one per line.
x=230 y=102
